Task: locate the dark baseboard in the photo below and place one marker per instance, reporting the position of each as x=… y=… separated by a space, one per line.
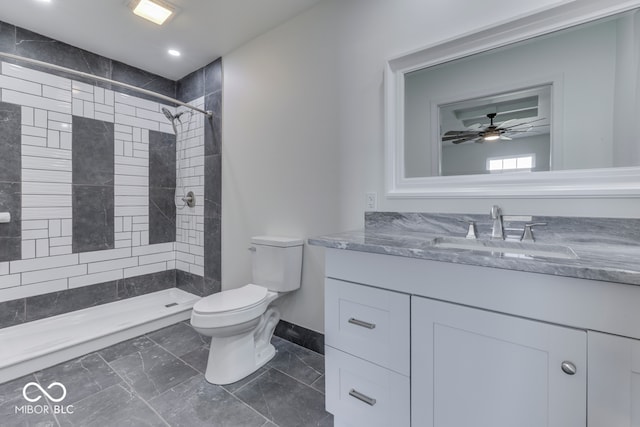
x=302 y=336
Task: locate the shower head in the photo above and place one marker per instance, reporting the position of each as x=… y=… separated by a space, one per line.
x=171 y=116
x=168 y=114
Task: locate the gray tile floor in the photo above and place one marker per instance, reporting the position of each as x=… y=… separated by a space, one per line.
x=157 y=380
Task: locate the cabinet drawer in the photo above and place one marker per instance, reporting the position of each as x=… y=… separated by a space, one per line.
x=359 y=393
x=369 y=323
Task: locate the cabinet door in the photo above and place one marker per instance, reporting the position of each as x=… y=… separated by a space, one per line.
x=614 y=381
x=471 y=367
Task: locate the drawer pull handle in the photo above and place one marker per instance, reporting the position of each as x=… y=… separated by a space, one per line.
x=362 y=397
x=362 y=323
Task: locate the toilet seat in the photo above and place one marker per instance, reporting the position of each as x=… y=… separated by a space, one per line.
x=242 y=298
x=231 y=307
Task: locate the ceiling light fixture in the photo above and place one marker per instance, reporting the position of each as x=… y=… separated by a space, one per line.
x=173 y=52
x=156 y=11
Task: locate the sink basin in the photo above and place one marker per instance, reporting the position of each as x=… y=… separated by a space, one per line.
x=506 y=247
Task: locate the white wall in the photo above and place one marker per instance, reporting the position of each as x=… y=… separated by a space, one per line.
x=280 y=152
x=303 y=129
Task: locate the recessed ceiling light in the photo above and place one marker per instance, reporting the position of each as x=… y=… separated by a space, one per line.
x=156 y=11
x=173 y=52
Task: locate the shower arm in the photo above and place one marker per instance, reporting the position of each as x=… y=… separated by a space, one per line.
x=208 y=113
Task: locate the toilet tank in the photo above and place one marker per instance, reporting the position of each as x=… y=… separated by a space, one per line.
x=277 y=262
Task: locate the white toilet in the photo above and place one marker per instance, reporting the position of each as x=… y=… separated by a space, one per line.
x=240 y=321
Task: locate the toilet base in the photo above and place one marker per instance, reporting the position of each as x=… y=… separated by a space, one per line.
x=235 y=357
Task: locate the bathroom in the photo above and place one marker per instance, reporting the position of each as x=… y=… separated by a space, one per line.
x=300 y=111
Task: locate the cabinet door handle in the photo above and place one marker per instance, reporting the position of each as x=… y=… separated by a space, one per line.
x=362 y=323
x=362 y=397
x=568 y=368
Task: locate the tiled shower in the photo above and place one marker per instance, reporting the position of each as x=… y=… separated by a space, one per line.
x=89 y=172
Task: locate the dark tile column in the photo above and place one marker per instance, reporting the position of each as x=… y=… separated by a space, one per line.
x=213 y=178
x=162 y=186
x=93 y=185
x=10 y=177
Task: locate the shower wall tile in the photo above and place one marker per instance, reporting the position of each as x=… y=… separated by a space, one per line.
x=131 y=189
x=140 y=285
x=213 y=77
x=93 y=185
x=162 y=160
x=10 y=148
x=190 y=282
x=12 y=313
x=191 y=171
x=52 y=304
x=93 y=152
x=142 y=79
x=7 y=37
x=10 y=186
x=36 y=46
x=162 y=215
x=191 y=86
x=212 y=217
x=93 y=102
x=93 y=218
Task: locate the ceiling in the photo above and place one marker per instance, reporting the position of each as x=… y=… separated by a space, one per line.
x=202 y=31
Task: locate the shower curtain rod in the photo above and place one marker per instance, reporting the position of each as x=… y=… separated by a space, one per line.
x=105 y=80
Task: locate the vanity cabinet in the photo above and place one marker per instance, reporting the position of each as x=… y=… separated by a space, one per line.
x=475 y=367
x=367 y=355
x=435 y=344
x=614 y=381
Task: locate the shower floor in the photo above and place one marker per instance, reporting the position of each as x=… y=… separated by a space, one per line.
x=35 y=345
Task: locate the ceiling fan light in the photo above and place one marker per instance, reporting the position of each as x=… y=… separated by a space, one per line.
x=491 y=137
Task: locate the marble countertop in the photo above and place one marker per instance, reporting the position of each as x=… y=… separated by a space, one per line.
x=606 y=262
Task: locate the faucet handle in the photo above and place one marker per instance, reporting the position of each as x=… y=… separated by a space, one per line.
x=472 y=233
x=527 y=234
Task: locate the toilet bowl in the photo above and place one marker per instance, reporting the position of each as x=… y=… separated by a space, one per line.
x=241 y=321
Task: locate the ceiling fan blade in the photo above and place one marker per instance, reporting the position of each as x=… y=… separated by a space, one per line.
x=459 y=136
x=505 y=138
x=475 y=126
x=461 y=140
x=505 y=124
x=479 y=140
x=523 y=124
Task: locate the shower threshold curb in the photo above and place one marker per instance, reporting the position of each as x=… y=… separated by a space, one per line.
x=39 y=344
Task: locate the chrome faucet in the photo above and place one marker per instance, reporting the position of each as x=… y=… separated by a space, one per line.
x=496 y=231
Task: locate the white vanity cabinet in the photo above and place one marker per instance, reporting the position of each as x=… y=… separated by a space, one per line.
x=367 y=355
x=435 y=344
x=614 y=381
x=472 y=367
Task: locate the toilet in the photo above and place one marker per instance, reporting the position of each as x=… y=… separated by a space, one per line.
x=241 y=321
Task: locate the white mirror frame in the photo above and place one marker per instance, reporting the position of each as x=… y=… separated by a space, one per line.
x=606 y=182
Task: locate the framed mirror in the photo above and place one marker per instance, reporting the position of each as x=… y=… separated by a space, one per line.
x=543 y=106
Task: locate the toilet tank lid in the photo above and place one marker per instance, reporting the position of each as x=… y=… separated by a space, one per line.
x=281 y=242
